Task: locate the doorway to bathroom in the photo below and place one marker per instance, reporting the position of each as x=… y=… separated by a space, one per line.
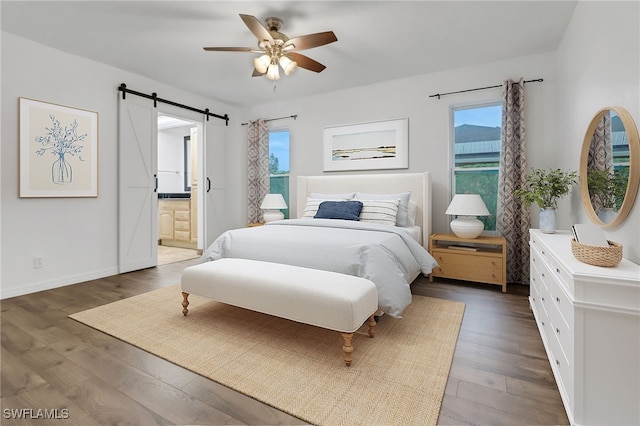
x=178 y=195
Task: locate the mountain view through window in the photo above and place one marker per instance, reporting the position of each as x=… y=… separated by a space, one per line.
x=476 y=148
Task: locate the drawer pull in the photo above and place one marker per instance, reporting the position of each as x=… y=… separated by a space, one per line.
x=557 y=330
x=542 y=323
x=543 y=252
x=557 y=299
x=557 y=362
x=543 y=299
x=558 y=270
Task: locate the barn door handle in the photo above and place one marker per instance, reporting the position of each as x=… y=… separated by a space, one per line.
x=156 y=178
x=208 y=184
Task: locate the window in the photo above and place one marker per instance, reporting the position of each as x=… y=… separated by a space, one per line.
x=279 y=165
x=476 y=153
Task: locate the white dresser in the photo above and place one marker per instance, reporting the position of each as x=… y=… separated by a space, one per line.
x=589 y=320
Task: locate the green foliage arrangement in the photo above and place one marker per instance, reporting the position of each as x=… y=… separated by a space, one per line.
x=545 y=187
x=608 y=186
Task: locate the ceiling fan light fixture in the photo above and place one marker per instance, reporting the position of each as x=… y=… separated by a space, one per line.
x=288 y=66
x=262 y=63
x=273 y=73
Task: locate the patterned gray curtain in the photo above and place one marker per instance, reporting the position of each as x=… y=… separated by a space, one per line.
x=257 y=168
x=600 y=152
x=512 y=219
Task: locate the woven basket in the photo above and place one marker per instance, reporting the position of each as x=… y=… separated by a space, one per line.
x=597 y=255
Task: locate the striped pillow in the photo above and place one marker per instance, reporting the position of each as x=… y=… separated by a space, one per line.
x=379 y=211
x=311 y=208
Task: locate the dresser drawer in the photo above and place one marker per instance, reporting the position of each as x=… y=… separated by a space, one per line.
x=561 y=365
x=563 y=333
x=472 y=268
x=544 y=299
x=561 y=304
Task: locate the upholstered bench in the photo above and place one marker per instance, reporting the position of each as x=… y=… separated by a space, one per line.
x=320 y=298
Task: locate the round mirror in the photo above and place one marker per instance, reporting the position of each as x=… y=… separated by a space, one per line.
x=610 y=166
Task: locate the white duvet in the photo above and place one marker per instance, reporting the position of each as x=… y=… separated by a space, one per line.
x=386 y=255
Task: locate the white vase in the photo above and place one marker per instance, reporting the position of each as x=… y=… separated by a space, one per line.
x=548 y=220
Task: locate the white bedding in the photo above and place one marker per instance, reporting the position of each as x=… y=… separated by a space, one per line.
x=387 y=255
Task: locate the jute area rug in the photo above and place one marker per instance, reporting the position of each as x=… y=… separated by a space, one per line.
x=396 y=378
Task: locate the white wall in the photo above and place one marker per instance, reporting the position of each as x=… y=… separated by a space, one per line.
x=75 y=237
x=428 y=120
x=598 y=65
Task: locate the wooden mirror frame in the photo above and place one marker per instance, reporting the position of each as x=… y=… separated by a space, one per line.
x=634 y=166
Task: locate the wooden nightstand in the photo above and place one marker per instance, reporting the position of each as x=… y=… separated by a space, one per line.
x=481 y=259
x=251 y=225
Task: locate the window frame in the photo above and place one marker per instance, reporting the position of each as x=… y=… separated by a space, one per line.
x=452 y=160
x=287 y=197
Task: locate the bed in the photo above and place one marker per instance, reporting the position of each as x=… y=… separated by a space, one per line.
x=389 y=255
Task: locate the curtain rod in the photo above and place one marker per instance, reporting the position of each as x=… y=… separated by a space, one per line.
x=437 y=95
x=123 y=88
x=279 y=118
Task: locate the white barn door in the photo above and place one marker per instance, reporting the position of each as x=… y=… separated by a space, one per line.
x=214 y=184
x=138 y=200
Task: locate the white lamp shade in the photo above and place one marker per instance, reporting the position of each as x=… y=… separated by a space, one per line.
x=261 y=63
x=271 y=206
x=467 y=206
x=288 y=65
x=272 y=72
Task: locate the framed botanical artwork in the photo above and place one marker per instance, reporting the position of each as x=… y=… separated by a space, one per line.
x=367 y=146
x=58 y=150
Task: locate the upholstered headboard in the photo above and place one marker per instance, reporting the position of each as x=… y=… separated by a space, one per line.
x=419 y=184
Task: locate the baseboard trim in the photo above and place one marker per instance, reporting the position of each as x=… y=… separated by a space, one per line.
x=6 y=293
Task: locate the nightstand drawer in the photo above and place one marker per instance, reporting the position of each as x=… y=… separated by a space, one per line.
x=472 y=268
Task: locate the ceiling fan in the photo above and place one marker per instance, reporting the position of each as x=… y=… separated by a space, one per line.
x=278 y=49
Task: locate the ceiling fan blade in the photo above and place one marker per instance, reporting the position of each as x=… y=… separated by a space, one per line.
x=257 y=28
x=231 y=49
x=311 y=40
x=306 y=62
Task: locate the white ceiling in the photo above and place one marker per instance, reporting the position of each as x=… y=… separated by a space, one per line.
x=377 y=40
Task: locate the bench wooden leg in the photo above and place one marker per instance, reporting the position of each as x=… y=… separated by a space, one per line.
x=372 y=326
x=185 y=303
x=347 y=348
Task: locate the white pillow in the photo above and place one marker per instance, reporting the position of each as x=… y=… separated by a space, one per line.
x=413 y=210
x=403 y=207
x=311 y=208
x=332 y=197
x=379 y=211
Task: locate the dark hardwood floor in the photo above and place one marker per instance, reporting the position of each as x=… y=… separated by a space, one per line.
x=500 y=374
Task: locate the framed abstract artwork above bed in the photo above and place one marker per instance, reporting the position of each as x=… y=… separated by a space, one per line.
x=367 y=146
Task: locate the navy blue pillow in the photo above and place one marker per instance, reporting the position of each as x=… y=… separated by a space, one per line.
x=347 y=210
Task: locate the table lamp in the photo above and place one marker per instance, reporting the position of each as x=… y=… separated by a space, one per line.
x=271 y=206
x=467 y=207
